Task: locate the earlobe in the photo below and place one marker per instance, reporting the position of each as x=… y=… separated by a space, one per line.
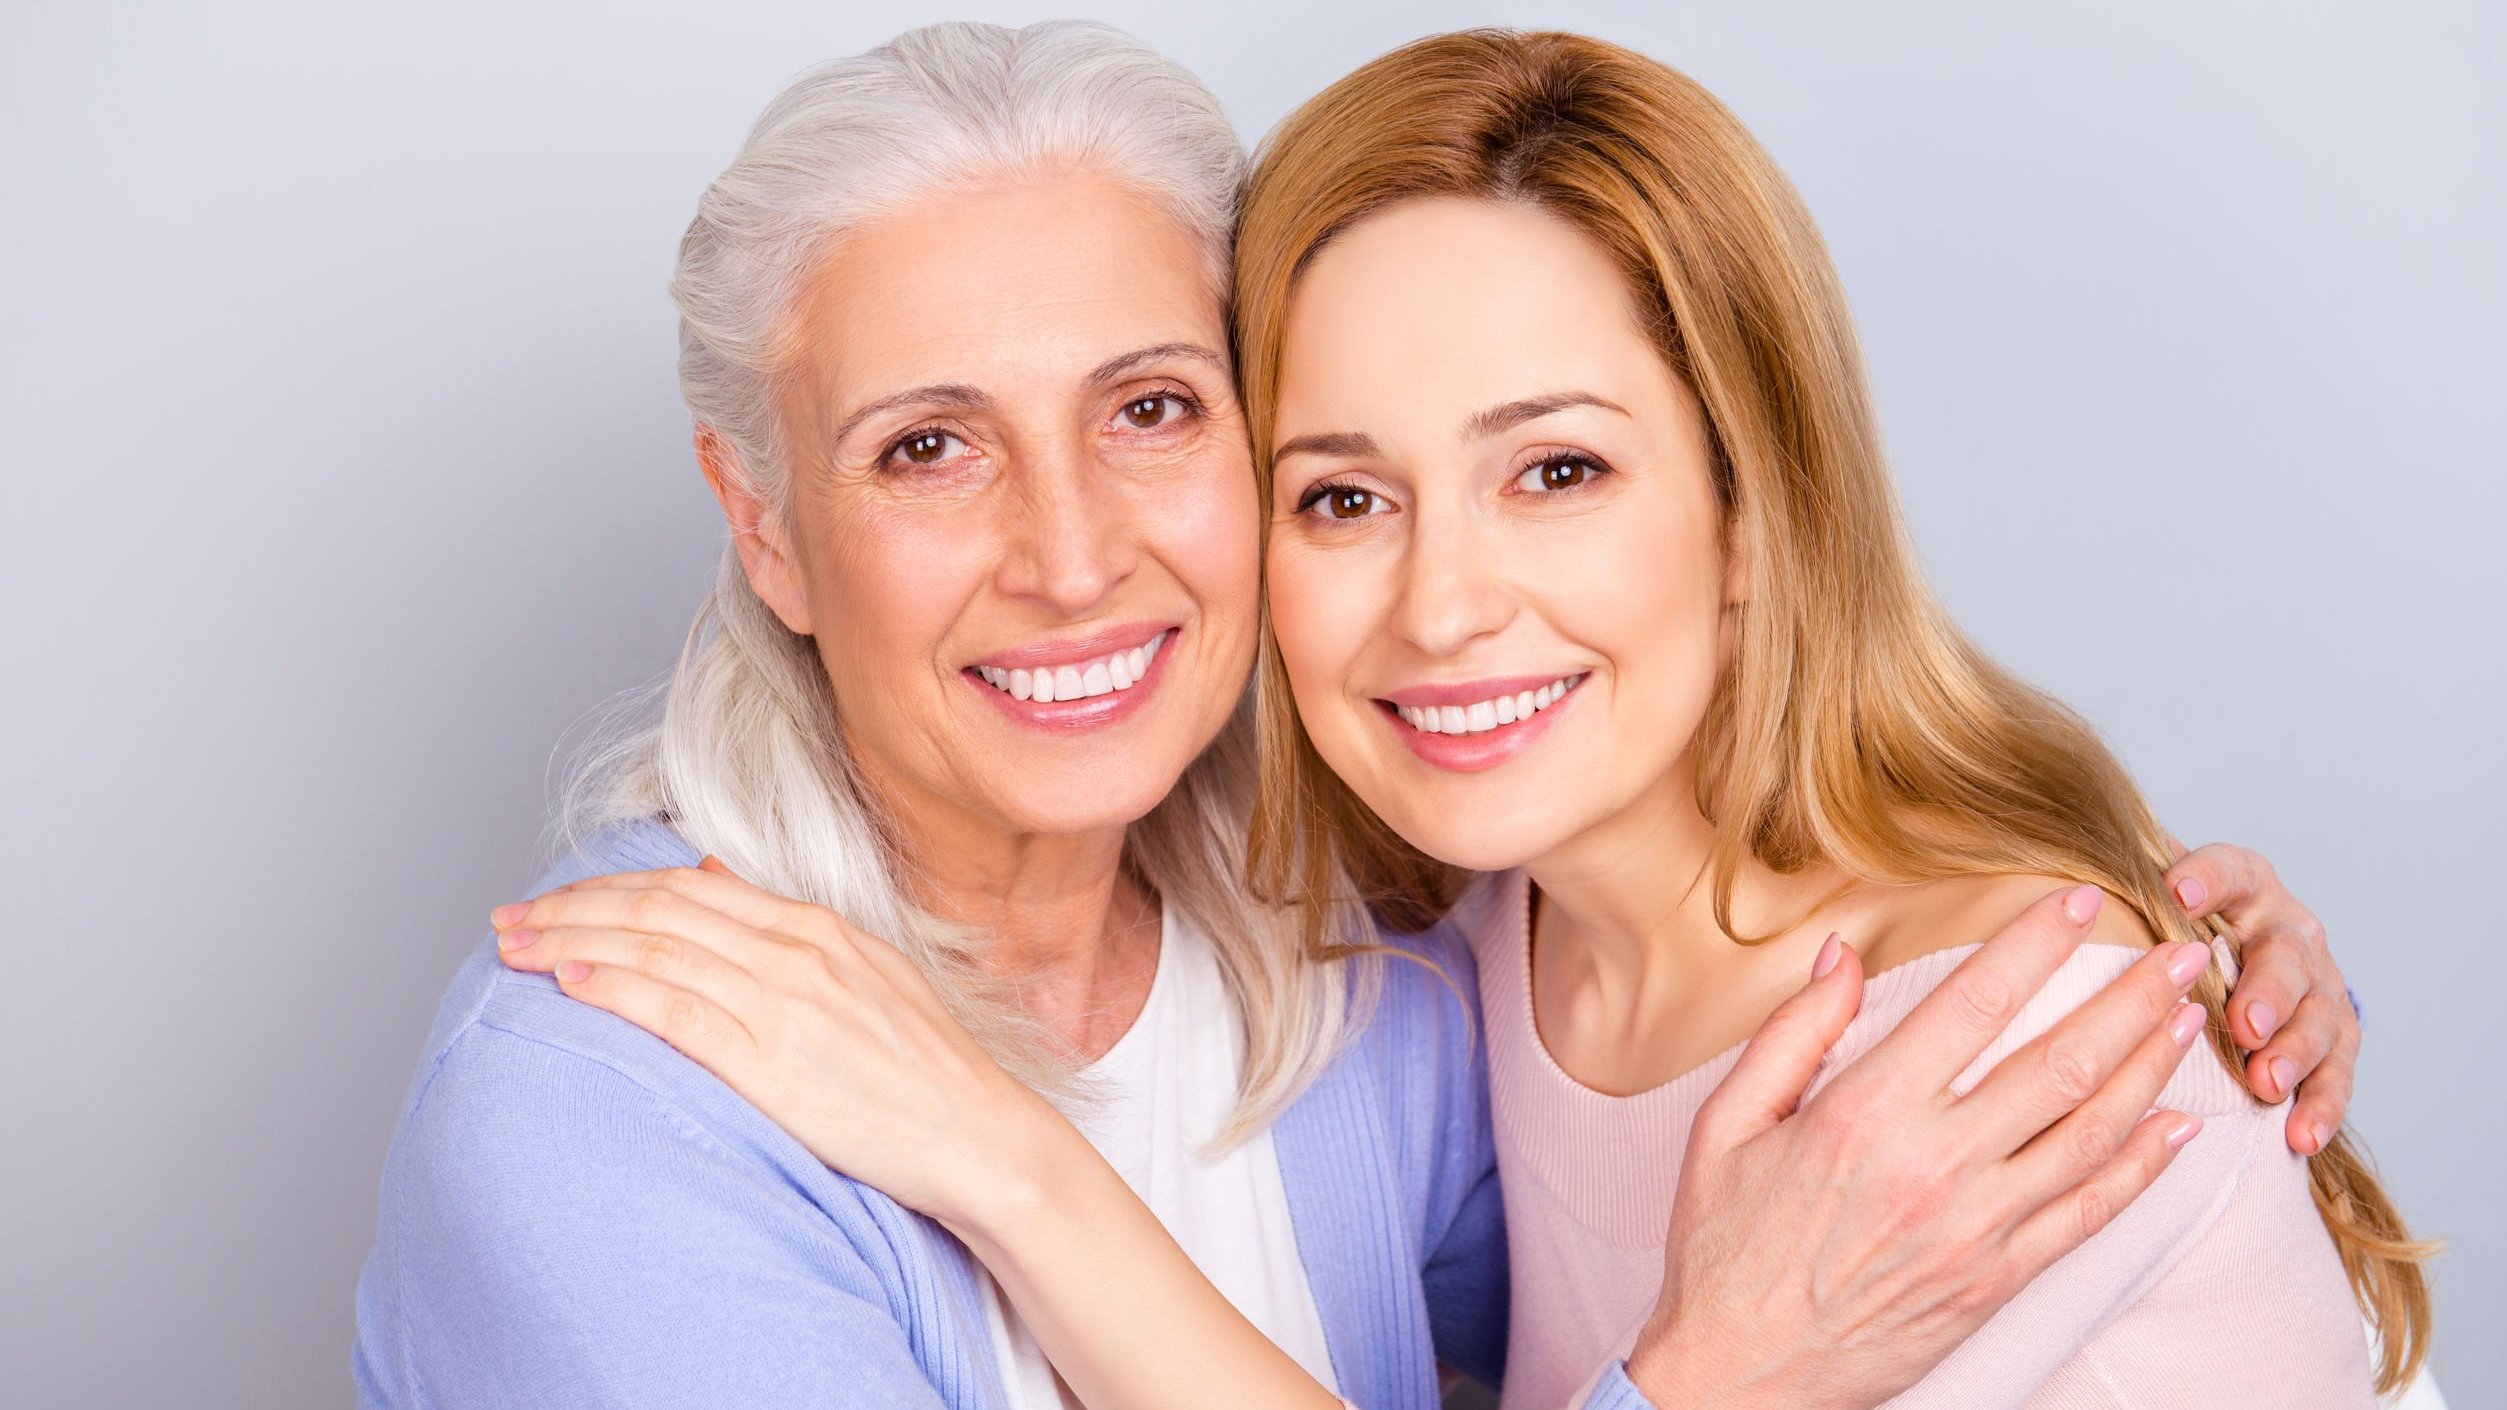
x=758 y=535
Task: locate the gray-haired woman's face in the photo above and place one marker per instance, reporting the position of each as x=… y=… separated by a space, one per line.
x=1022 y=526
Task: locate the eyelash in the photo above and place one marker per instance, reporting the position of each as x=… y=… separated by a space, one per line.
x=888 y=459
x=1594 y=470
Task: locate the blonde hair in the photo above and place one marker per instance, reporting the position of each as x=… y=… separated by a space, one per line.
x=746 y=760
x=1855 y=724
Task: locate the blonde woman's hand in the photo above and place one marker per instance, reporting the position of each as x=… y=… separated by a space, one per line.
x=829 y=1031
x=1830 y=1253
x=2290 y=1009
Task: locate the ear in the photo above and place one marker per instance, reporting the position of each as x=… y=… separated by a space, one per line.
x=764 y=546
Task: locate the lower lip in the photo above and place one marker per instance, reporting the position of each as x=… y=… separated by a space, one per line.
x=1094 y=712
x=1471 y=753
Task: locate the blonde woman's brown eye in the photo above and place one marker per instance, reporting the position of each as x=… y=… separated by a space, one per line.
x=1565 y=472
x=1341 y=501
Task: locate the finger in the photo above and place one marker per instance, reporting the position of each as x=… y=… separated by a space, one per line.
x=651 y=911
x=2273 y=979
x=2276 y=1069
x=2083 y=1142
x=749 y=904
x=2064 y=1067
x=2072 y=1217
x=2219 y=879
x=1766 y=1084
x=2323 y=1093
x=683 y=1018
x=1970 y=1008
x=665 y=958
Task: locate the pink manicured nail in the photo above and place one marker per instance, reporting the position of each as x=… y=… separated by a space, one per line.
x=1829 y=953
x=2184 y=1132
x=2083 y=903
x=505 y=917
x=2185 y=1023
x=2189 y=961
x=2323 y=1137
x=2260 y=1018
x=2190 y=895
x=513 y=940
x=573 y=971
x=2284 y=1075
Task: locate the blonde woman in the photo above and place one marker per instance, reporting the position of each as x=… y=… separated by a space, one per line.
x=1906 y=1218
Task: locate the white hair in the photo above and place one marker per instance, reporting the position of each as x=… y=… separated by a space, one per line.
x=746 y=760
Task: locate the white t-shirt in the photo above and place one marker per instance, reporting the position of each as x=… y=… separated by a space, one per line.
x=1164 y=1088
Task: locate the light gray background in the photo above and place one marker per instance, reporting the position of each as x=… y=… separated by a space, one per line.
x=345 y=472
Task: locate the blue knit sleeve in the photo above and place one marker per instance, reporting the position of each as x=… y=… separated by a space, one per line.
x=1465 y=1276
x=555 y=1234
x=1616 y=1392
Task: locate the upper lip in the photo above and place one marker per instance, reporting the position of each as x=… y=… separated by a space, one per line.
x=1070 y=651
x=1472 y=692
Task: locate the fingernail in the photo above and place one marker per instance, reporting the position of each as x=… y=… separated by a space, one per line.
x=2323 y=1137
x=2284 y=1075
x=2185 y=1023
x=2190 y=895
x=573 y=971
x=511 y=940
x=2184 y=1132
x=1829 y=953
x=2083 y=903
x=2188 y=962
x=503 y=917
x=2260 y=1018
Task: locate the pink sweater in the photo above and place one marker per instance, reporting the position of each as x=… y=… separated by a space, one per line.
x=2218 y=1287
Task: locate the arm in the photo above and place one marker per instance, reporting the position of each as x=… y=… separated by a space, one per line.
x=841 y=1040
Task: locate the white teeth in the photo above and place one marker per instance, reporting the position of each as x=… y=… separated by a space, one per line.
x=1116 y=670
x=1482 y=716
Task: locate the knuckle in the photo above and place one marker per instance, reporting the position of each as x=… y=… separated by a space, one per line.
x=2070 y=1071
x=1982 y=1001
x=2092 y=1208
x=683 y=1014
x=2089 y=1145
x=647 y=907
x=659 y=954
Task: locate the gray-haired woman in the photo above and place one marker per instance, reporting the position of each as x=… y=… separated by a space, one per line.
x=955 y=339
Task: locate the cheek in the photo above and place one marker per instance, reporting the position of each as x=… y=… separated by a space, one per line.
x=884 y=591
x=1323 y=614
x=1208 y=535
x=1650 y=588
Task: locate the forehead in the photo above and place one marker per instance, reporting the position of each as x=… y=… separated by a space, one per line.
x=1003 y=283
x=1466 y=302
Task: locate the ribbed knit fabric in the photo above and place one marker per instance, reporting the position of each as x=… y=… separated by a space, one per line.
x=575 y=1215
x=2218 y=1287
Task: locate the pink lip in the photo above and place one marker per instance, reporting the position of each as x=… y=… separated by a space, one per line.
x=1073 y=650
x=1095 y=712
x=1471 y=753
x=1471 y=692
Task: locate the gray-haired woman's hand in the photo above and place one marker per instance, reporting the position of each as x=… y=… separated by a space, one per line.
x=831 y=1032
x=1829 y=1254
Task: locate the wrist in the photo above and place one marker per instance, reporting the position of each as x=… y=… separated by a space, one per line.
x=1026 y=1162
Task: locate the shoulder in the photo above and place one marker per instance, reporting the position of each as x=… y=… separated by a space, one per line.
x=1909 y=923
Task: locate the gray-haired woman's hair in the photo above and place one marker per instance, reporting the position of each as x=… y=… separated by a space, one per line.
x=745 y=759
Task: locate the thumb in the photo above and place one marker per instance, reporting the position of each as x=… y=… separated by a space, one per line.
x=1766 y=1085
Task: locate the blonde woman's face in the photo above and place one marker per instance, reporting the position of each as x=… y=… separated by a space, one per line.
x=1496 y=569
x=1022 y=531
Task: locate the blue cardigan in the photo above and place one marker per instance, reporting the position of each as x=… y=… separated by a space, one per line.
x=573 y=1214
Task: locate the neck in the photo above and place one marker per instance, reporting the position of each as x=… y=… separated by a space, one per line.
x=1061 y=920
x=1632 y=898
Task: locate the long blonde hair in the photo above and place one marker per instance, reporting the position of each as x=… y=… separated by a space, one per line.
x=1856 y=725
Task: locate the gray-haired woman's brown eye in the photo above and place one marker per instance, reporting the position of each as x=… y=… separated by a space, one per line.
x=1148 y=413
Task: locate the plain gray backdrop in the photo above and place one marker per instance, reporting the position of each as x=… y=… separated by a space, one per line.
x=346 y=472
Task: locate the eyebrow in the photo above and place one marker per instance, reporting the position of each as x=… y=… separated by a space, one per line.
x=1503 y=417
x=1508 y=415
x=955 y=396
x=1115 y=369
